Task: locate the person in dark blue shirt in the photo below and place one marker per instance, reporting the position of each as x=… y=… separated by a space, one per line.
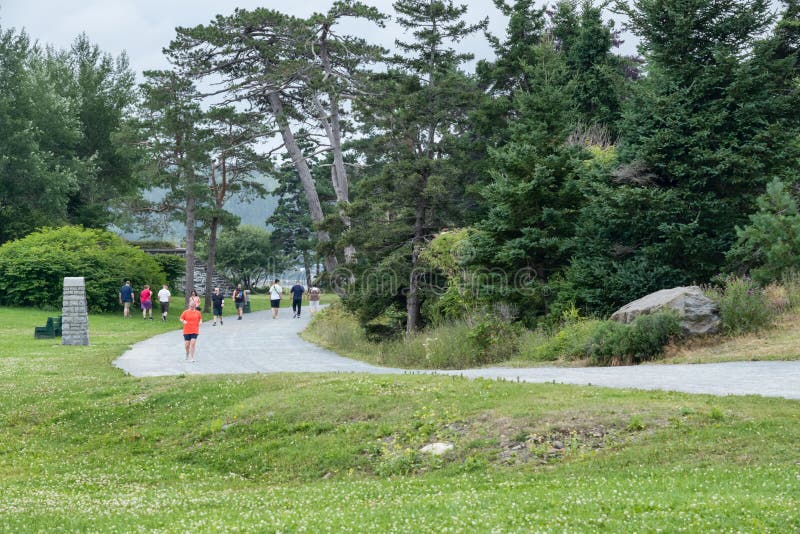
x=297 y=299
x=126 y=299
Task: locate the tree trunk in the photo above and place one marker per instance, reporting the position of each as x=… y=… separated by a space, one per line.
x=412 y=298
x=219 y=189
x=307 y=267
x=190 y=236
x=341 y=185
x=331 y=122
x=306 y=180
x=212 y=253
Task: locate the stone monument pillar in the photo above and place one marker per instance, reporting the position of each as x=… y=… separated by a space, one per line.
x=74 y=314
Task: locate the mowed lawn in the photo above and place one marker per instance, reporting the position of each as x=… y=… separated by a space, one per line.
x=85 y=448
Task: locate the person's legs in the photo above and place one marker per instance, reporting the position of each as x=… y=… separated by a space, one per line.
x=144 y=312
x=192 y=345
x=186 y=345
x=296 y=304
x=126 y=309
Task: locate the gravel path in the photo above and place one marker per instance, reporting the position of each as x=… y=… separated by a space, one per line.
x=259 y=344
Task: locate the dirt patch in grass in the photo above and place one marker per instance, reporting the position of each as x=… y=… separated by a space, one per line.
x=502 y=440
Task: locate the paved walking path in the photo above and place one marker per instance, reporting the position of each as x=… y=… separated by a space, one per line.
x=259 y=344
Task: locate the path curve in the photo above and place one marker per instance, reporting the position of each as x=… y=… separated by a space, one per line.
x=259 y=344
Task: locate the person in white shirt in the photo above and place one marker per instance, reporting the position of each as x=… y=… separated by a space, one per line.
x=164 y=296
x=313 y=298
x=275 y=292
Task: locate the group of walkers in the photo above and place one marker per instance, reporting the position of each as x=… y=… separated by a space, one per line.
x=127 y=297
x=297 y=291
x=192 y=316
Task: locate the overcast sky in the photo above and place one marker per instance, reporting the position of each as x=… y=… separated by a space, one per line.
x=143 y=27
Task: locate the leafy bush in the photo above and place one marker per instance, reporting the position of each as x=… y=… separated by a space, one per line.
x=743 y=305
x=642 y=340
x=607 y=343
x=173 y=266
x=570 y=342
x=32 y=269
x=494 y=340
x=648 y=335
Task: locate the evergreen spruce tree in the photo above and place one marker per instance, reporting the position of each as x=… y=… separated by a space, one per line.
x=177 y=155
x=712 y=122
x=420 y=106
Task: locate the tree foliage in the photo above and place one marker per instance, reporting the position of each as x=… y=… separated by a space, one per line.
x=711 y=123
x=38 y=133
x=32 y=269
x=767 y=246
x=247 y=256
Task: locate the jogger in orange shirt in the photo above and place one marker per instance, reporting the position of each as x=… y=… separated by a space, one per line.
x=191 y=319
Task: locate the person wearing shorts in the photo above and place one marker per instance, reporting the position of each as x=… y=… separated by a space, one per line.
x=313 y=299
x=194 y=298
x=217 y=303
x=126 y=299
x=275 y=292
x=191 y=319
x=146 y=299
x=164 y=296
x=238 y=300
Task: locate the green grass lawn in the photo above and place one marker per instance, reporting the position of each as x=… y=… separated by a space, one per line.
x=85 y=448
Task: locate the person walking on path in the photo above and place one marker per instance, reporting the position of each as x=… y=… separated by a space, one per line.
x=146 y=300
x=191 y=319
x=275 y=292
x=238 y=300
x=217 y=303
x=194 y=299
x=164 y=296
x=126 y=299
x=313 y=298
x=297 y=299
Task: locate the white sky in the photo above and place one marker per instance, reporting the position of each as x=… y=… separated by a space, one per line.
x=143 y=27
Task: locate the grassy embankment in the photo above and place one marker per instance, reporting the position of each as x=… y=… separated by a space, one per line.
x=85 y=448
x=450 y=346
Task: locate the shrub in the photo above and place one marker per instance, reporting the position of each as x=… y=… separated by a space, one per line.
x=32 y=269
x=743 y=306
x=649 y=334
x=642 y=340
x=493 y=339
x=570 y=342
x=174 y=267
x=607 y=342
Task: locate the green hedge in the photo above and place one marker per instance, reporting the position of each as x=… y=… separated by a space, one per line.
x=32 y=269
x=642 y=340
x=605 y=342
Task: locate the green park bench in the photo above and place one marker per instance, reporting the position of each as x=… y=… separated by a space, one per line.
x=50 y=330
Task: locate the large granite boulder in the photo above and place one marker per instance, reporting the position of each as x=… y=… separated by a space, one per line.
x=698 y=313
